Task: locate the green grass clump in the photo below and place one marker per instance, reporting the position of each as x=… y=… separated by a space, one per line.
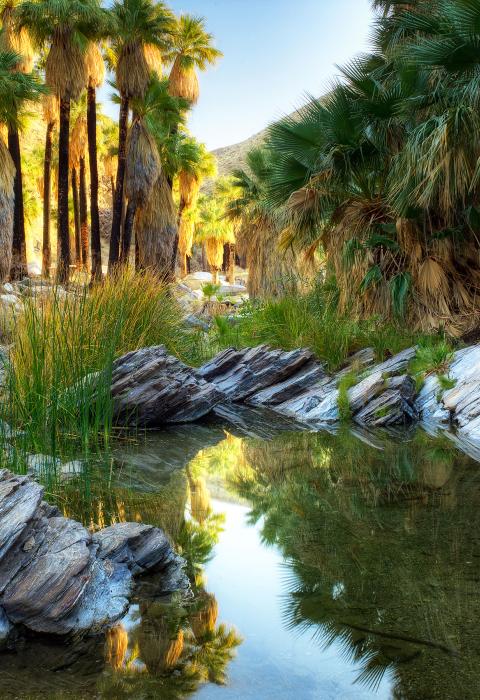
x=433 y=356
x=348 y=381
x=63 y=341
x=312 y=321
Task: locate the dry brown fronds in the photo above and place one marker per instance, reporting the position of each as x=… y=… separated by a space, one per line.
x=184 y=83
x=133 y=72
x=16 y=41
x=95 y=65
x=143 y=164
x=189 y=187
x=50 y=109
x=214 y=250
x=153 y=57
x=116 y=646
x=186 y=234
x=7 y=176
x=65 y=69
x=205 y=619
x=156 y=229
x=78 y=141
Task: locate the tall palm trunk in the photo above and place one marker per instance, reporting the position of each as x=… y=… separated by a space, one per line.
x=76 y=216
x=84 y=232
x=127 y=233
x=230 y=262
x=47 y=204
x=118 y=202
x=96 y=247
x=19 y=249
x=63 y=265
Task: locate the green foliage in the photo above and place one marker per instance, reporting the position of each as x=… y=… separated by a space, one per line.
x=432 y=357
x=313 y=321
x=348 y=381
x=210 y=290
x=61 y=342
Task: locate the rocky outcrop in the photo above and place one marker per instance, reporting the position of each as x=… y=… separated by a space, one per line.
x=151 y=388
x=58 y=578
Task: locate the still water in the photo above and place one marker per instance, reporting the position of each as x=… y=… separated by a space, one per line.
x=322 y=566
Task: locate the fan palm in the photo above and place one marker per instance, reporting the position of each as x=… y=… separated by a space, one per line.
x=147 y=142
x=214 y=230
x=195 y=164
x=64 y=25
x=96 y=74
x=15 y=89
x=78 y=150
x=137 y=24
x=50 y=115
x=192 y=50
x=16 y=40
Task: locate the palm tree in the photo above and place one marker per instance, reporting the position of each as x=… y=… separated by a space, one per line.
x=15 y=89
x=50 y=115
x=78 y=149
x=213 y=229
x=195 y=164
x=136 y=24
x=96 y=74
x=192 y=49
x=64 y=25
x=156 y=222
x=142 y=171
x=16 y=40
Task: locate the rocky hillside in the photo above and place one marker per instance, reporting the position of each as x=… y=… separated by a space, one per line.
x=230 y=158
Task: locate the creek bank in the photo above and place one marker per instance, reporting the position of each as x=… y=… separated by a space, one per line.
x=58 y=578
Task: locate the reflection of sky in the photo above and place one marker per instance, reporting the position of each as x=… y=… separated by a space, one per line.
x=272 y=662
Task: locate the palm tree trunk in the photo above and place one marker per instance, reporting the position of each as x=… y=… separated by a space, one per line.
x=204 y=259
x=63 y=265
x=96 y=247
x=214 y=275
x=230 y=267
x=76 y=216
x=47 y=203
x=127 y=233
x=19 y=249
x=84 y=232
x=117 y=204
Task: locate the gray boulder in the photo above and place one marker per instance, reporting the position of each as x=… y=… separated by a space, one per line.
x=56 y=578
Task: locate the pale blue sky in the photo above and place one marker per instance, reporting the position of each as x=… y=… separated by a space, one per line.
x=275 y=51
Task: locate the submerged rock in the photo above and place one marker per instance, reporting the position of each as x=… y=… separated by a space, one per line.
x=56 y=578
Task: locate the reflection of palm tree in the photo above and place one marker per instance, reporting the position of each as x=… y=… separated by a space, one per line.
x=199 y=497
x=373 y=547
x=116 y=647
x=205 y=616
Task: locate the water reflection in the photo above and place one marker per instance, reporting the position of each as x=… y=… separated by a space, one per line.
x=380 y=547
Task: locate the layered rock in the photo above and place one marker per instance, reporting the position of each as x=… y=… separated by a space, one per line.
x=56 y=578
x=151 y=388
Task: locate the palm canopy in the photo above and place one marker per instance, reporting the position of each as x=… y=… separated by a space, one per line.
x=136 y=26
x=65 y=26
x=192 y=44
x=192 y=48
x=15 y=89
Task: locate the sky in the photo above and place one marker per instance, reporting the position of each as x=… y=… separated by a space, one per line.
x=275 y=53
